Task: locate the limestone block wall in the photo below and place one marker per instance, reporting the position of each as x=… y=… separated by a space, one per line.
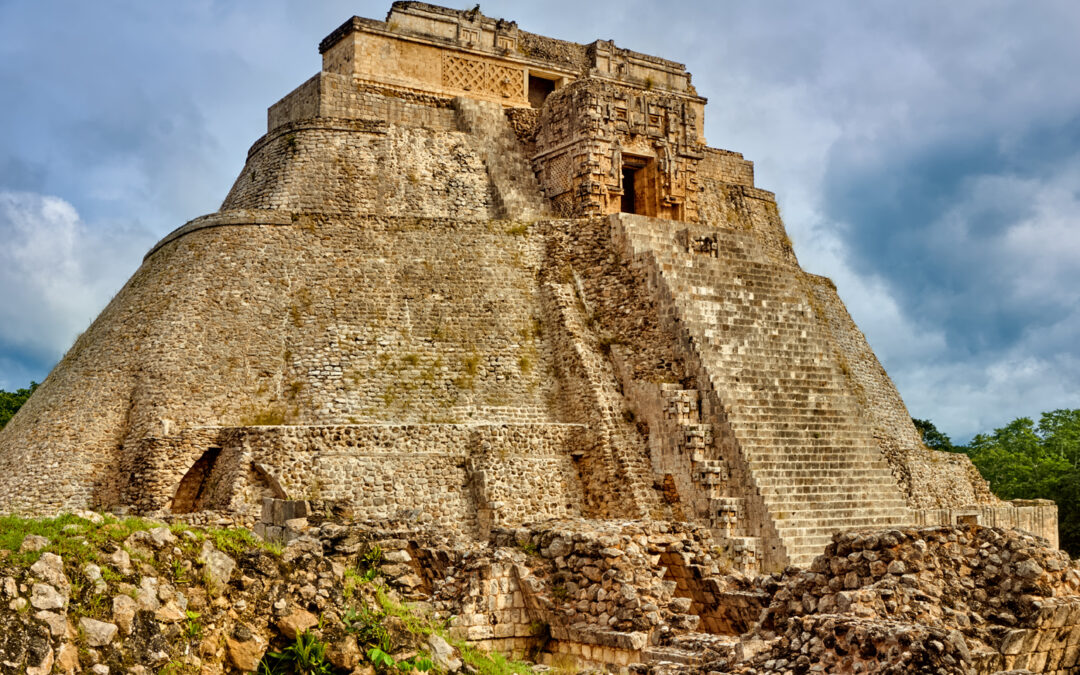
x=526 y=473
x=1036 y=516
x=726 y=166
x=590 y=130
x=408 y=61
x=302 y=103
x=1051 y=646
x=353 y=167
x=341 y=97
x=321 y=320
x=458 y=477
x=730 y=205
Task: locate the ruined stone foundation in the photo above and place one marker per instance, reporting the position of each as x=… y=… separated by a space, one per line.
x=477 y=279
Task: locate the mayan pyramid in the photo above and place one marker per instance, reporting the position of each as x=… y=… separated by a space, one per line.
x=482 y=277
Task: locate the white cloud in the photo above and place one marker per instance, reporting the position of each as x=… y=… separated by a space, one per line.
x=57 y=273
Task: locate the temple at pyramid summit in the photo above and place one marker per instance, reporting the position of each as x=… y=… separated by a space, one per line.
x=478 y=278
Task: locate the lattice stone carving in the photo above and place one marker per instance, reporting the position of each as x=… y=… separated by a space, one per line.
x=482 y=76
x=558 y=179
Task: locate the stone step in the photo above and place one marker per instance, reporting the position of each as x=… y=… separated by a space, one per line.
x=838 y=475
x=831 y=504
x=804 y=526
x=764 y=457
x=794 y=489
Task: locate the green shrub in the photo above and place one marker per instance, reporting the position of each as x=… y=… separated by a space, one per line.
x=306 y=656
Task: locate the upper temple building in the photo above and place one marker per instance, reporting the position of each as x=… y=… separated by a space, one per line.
x=474 y=277
x=608 y=130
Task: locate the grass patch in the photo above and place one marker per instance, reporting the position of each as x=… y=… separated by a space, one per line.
x=75 y=539
x=238 y=540
x=490 y=663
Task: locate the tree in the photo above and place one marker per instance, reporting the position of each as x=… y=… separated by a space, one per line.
x=1023 y=460
x=934 y=439
x=11 y=401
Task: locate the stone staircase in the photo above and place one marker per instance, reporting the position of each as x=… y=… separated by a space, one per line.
x=517 y=192
x=810 y=455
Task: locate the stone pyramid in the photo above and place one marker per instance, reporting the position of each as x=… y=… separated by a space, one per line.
x=479 y=277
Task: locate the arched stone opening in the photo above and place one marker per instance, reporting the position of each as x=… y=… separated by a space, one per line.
x=194 y=483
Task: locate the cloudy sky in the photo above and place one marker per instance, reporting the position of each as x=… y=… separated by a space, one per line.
x=925 y=154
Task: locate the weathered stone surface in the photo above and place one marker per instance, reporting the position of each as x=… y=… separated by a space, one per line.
x=33 y=542
x=50 y=569
x=296 y=622
x=123 y=612
x=218 y=565
x=161 y=537
x=443 y=654
x=67 y=659
x=44 y=596
x=120 y=560
x=98 y=633
x=56 y=622
x=245 y=655
x=345 y=653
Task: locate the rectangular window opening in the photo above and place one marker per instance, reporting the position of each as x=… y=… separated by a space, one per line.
x=539 y=89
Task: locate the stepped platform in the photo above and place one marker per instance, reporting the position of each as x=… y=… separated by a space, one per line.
x=750 y=321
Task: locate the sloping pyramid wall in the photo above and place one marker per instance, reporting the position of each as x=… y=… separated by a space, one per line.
x=354 y=276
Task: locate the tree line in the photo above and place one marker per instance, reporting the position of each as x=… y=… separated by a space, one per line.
x=1028 y=460
x=11 y=401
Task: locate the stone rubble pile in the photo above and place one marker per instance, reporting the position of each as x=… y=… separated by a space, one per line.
x=936 y=600
x=642 y=597
x=164 y=598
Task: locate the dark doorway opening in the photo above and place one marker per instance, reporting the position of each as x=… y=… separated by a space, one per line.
x=539 y=89
x=194 y=482
x=627 y=205
x=634 y=182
